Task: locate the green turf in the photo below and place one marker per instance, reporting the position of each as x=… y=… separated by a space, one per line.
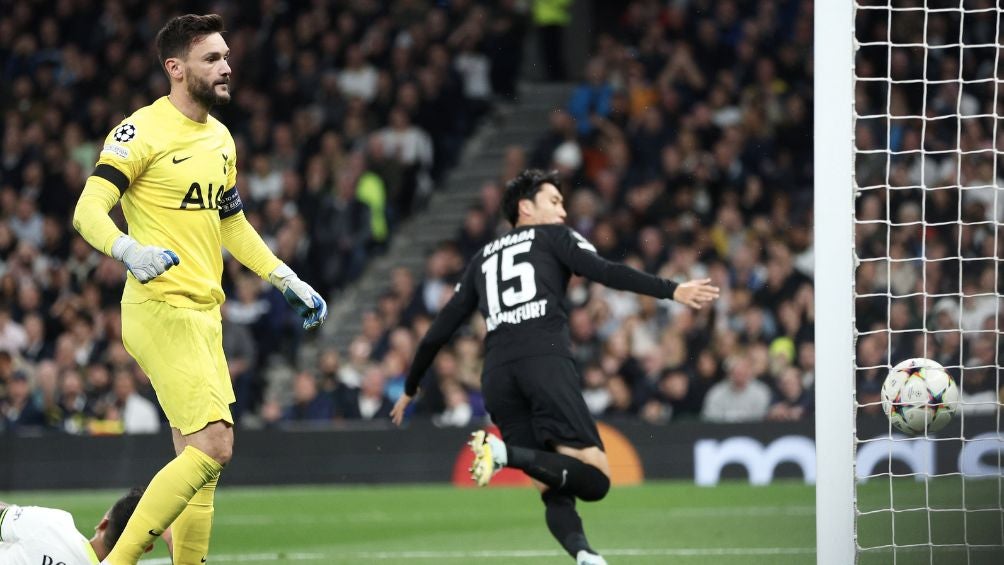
x=656 y=523
x=660 y=522
x=930 y=512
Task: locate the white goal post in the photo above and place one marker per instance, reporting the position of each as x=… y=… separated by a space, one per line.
x=909 y=247
x=834 y=275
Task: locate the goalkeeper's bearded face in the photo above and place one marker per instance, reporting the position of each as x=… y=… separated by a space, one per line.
x=207 y=72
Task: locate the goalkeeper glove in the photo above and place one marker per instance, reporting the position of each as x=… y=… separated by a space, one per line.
x=304 y=299
x=145 y=262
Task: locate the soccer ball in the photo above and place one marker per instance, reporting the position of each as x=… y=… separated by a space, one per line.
x=919 y=395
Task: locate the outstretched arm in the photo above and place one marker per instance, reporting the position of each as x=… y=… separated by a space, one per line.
x=580 y=256
x=695 y=293
x=457 y=310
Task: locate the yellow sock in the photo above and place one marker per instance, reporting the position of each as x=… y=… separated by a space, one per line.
x=165 y=498
x=190 y=531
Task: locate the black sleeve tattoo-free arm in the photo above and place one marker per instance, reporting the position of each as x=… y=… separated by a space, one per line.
x=580 y=256
x=454 y=313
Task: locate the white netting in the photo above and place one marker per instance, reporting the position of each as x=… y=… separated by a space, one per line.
x=928 y=163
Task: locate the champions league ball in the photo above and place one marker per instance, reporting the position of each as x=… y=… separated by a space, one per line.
x=919 y=396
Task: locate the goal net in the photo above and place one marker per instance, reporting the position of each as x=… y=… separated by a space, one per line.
x=927 y=106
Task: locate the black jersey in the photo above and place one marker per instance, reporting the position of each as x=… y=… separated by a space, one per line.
x=518 y=283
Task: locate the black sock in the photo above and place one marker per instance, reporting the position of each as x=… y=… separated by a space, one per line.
x=564 y=474
x=564 y=522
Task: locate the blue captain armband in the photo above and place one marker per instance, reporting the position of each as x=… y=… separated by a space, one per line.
x=230 y=203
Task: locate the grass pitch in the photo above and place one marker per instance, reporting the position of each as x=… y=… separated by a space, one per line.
x=659 y=522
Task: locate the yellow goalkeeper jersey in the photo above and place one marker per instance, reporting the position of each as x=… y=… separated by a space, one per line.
x=172 y=173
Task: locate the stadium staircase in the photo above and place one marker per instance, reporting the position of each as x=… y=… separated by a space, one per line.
x=481 y=159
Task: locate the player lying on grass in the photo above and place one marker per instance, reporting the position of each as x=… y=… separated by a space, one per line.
x=530 y=383
x=33 y=535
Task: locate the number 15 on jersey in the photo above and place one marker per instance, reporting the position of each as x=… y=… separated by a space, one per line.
x=510 y=270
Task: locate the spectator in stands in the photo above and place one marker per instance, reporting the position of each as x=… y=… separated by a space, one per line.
x=595 y=391
x=440 y=269
x=684 y=399
x=371 y=191
x=395 y=366
x=98 y=380
x=791 y=401
x=979 y=394
x=26 y=222
x=242 y=362
x=13 y=336
x=329 y=373
x=358 y=79
x=700 y=133
x=471 y=63
x=561 y=128
x=621 y=402
x=360 y=351
x=309 y=404
x=504 y=47
x=592 y=100
x=412 y=148
x=75 y=409
x=369 y=402
x=458 y=407
x=46 y=393
x=136 y=414
x=310 y=84
x=6 y=369
x=37 y=347
x=475 y=233
x=18 y=410
x=551 y=18
x=264 y=183
x=340 y=242
x=491 y=202
x=740 y=398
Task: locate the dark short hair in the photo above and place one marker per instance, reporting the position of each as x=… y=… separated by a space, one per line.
x=178 y=35
x=119 y=516
x=526 y=185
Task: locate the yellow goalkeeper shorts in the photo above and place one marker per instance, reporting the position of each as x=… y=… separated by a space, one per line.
x=181 y=351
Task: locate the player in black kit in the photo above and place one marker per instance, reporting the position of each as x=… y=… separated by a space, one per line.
x=530 y=383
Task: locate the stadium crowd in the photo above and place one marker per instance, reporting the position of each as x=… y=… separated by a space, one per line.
x=686 y=151
x=345 y=115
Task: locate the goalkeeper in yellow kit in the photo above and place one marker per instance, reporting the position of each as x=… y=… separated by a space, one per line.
x=174 y=168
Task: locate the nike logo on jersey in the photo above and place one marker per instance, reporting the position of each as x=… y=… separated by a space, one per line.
x=203 y=559
x=176 y=160
x=153 y=533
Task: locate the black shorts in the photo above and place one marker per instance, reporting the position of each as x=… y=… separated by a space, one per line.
x=537 y=403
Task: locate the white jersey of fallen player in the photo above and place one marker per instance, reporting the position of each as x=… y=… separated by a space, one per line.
x=32 y=535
